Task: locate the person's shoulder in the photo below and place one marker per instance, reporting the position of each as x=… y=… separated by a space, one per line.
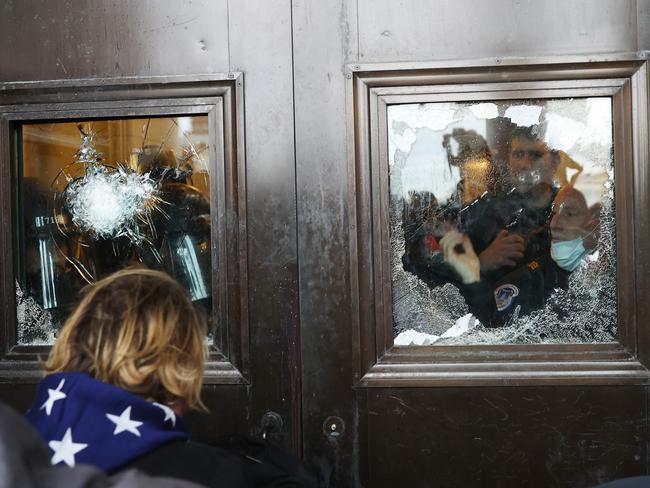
x=234 y=461
x=193 y=461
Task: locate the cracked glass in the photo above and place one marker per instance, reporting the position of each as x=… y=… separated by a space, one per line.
x=94 y=196
x=502 y=222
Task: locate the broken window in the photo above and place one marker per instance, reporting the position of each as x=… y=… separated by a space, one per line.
x=94 y=196
x=502 y=222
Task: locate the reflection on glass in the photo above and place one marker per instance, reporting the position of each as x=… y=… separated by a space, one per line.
x=46 y=251
x=502 y=222
x=96 y=196
x=185 y=243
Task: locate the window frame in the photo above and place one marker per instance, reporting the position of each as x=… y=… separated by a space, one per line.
x=374 y=87
x=220 y=98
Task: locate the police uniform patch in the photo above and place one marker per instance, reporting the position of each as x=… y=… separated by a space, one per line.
x=504 y=295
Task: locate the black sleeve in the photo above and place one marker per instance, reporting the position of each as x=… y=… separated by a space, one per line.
x=526 y=288
x=423 y=258
x=434 y=271
x=232 y=462
x=479 y=297
x=194 y=462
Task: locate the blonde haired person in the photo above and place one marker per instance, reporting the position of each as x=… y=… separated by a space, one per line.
x=138 y=330
x=128 y=362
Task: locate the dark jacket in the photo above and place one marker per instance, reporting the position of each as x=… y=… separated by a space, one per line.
x=526 y=288
x=237 y=461
x=481 y=220
x=191 y=461
x=497 y=295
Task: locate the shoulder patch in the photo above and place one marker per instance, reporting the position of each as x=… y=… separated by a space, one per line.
x=504 y=295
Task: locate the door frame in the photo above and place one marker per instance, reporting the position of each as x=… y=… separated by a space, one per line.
x=371 y=89
x=220 y=98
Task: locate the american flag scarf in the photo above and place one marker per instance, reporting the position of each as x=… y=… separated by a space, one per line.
x=84 y=420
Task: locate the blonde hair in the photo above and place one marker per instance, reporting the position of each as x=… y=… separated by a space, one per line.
x=138 y=330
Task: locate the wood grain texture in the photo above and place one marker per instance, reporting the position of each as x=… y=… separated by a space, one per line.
x=89 y=39
x=506 y=437
x=643 y=24
x=324 y=40
x=260 y=46
x=419 y=30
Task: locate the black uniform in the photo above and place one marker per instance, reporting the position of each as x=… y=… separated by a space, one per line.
x=527 y=287
x=497 y=295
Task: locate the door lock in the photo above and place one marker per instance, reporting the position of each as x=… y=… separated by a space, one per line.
x=271 y=423
x=333 y=427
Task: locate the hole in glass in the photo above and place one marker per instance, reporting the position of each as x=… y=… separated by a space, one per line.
x=95 y=196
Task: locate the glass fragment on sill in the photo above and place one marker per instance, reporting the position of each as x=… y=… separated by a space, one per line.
x=37 y=326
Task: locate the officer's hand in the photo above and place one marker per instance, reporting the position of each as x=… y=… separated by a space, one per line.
x=504 y=250
x=458 y=251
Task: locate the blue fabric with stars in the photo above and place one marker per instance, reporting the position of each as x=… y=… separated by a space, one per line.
x=84 y=420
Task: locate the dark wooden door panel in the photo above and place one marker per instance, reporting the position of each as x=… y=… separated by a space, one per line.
x=260 y=45
x=18 y=396
x=86 y=39
x=201 y=37
x=505 y=437
x=230 y=411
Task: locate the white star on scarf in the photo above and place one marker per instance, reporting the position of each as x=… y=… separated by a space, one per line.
x=169 y=413
x=124 y=423
x=65 y=449
x=53 y=396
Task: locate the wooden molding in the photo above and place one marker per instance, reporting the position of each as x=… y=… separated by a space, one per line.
x=220 y=98
x=371 y=89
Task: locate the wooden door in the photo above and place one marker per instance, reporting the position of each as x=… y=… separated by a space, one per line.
x=306 y=345
x=145 y=61
x=397 y=428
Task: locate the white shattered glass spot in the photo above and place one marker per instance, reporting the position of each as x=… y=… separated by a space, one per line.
x=524 y=115
x=484 y=110
x=110 y=202
x=36 y=323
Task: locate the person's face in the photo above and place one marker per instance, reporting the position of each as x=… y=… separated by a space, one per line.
x=570 y=216
x=530 y=163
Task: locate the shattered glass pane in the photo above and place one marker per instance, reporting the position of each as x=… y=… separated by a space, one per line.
x=95 y=196
x=502 y=222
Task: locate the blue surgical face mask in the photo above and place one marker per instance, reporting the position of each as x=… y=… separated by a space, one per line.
x=568 y=254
